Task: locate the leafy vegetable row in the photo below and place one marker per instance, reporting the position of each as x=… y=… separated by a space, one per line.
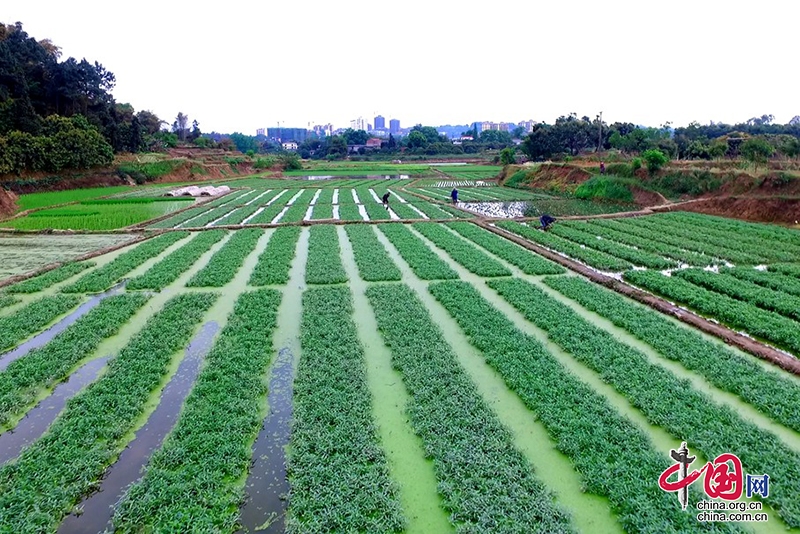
x=790 y=269
x=298 y=209
x=461 y=250
x=487 y=485
x=193 y=483
x=644 y=239
x=772 y=280
x=274 y=263
x=755 y=247
x=403 y=211
x=595 y=258
x=422 y=260
x=193 y=213
x=170 y=268
x=104 y=277
x=337 y=471
x=225 y=263
x=691 y=239
x=324 y=264
x=582 y=235
x=270 y=212
x=349 y=212
x=764 y=231
x=771 y=393
x=526 y=260
x=33 y=317
x=665 y=400
x=762 y=323
x=322 y=211
x=42 y=367
x=43 y=281
x=372 y=259
x=583 y=424
x=245 y=211
x=777 y=301
x=7 y=300
x=51 y=475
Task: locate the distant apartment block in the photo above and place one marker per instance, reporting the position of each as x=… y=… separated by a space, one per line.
x=380 y=123
x=287 y=134
x=358 y=124
x=260 y=131
x=394 y=126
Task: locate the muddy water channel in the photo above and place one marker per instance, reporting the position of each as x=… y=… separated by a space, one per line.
x=46 y=336
x=97 y=510
x=38 y=419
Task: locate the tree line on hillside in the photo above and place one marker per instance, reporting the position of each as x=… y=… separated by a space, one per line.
x=60 y=114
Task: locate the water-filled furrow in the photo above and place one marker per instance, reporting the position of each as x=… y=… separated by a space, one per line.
x=267 y=487
x=45 y=337
x=96 y=510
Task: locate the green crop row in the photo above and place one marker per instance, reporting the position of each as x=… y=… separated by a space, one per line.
x=403 y=210
x=461 y=250
x=324 y=265
x=772 y=280
x=455 y=213
x=43 y=281
x=422 y=260
x=431 y=210
x=209 y=216
x=33 y=317
x=777 y=301
x=170 y=268
x=526 y=260
x=790 y=269
x=585 y=427
x=751 y=247
x=239 y=215
x=349 y=212
x=773 y=394
x=51 y=475
x=338 y=473
x=762 y=231
x=7 y=300
x=104 y=277
x=579 y=234
x=691 y=239
x=325 y=196
x=764 y=324
x=645 y=240
x=224 y=264
x=180 y=218
x=297 y=211
x=654 y=391
x=741 y=241
x=595 y=258
x=24 y=378
x=375 y=210
x=192 y=485
x=486 y=484
x=374 y=263
x=273 y=265
x=322 y=211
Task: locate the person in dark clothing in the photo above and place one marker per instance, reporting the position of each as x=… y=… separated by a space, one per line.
x=386 y=200
x=454 y=195
x=602 y=167
x=546 y=221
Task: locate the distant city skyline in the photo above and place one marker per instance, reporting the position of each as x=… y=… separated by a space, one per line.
x=230 y=69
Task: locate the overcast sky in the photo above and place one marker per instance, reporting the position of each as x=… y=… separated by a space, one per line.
x=236 y=65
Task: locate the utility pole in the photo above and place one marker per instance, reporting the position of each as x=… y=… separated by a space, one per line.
x=600 y=132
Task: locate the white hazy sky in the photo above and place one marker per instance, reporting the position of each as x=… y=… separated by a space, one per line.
x=237 y=65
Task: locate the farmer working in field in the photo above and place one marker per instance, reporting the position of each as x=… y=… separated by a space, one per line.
x=546 y=221
x=454 y=195
x=386 y=200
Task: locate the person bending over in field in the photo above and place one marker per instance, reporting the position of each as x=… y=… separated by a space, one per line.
x=454 y=196
x=546 y=221
x=386 y=200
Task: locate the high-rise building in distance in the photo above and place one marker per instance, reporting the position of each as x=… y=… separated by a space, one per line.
x=380 y=122
x=394 y=126
x=260 y=131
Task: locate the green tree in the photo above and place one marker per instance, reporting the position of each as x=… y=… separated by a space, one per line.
x=337 y=147
x=181 y=126
x=355 y=137
x=507 y=156
x=416 y=139
x=655 y=159
x=756 y=150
